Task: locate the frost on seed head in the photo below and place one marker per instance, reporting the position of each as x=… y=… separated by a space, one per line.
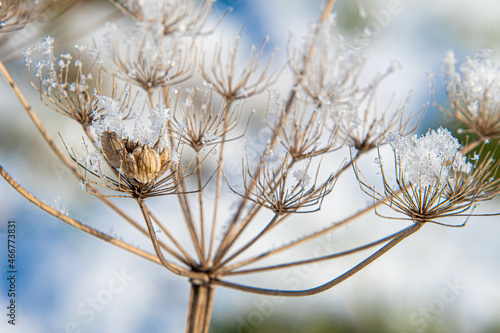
x=112 y=118
x=477 y=78
x=428 y=159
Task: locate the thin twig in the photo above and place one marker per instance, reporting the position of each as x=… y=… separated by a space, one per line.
x=313 y=260
x=74 y=223
x=168 y=265
x=313 y=291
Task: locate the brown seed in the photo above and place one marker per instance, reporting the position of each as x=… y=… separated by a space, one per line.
x=129 y=166
x=165 y=158
x=113 y=148
x=148 y=164
x=139 y=164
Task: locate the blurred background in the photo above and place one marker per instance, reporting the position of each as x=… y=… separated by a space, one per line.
x=439 y=280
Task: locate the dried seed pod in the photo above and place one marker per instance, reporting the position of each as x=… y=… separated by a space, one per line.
x=165 y=155
x=148 y=164
x=141 y=165
x=113 y=148
x=165 y=160
x=129 y=166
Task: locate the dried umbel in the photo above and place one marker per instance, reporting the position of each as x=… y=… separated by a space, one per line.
x=140 y=164
x=311 y=131
x=187 y=17
x=327 y=72
x=223 y=75
x=199 y=121
x=65 y=82
x=474 y=93
x=433 y=179
x=149 y=60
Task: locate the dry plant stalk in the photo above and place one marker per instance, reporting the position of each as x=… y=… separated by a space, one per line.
x=14 y=14
x=181 y=141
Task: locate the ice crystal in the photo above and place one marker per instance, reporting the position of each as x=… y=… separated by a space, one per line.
x=302 y=178
x=92 y=161
x=428 y=159
x=478 y=78
x=112 y=118
x=209 y=137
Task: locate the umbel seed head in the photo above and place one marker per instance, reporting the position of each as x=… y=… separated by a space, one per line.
x=140 y=164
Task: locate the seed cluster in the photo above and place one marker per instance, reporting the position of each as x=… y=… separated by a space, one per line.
x=140 y=164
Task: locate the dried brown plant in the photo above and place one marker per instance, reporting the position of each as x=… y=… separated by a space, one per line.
x=14 y=14
x=150 y=137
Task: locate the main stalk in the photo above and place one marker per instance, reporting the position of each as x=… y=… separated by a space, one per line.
x=200 y=307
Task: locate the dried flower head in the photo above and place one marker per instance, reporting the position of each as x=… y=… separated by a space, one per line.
x=63 y=83
x=225 y=80
x=474 y=93
x=364 y=126
x=185 y=17
x=309 y=130
x=199 y=122
x=433 y=179
x=149 y=60
x=142 y=163
x=327 y=72
x=285 y=186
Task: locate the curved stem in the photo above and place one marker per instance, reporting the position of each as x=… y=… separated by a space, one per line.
x=72 y=222
x=312 y=260
x=298 y=293
x=176 y=269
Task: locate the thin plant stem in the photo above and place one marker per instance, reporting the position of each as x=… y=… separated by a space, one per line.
x=218 y=186
x=313 y=291
x=168 y=265
x=313 y=260
x=202 y=215
x=188 y=218
x=74 y=223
